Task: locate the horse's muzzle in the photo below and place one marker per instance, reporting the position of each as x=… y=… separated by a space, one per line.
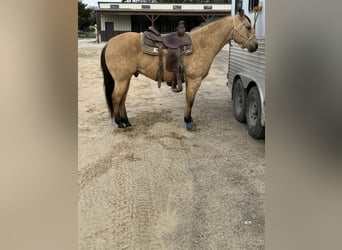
x=252 y=48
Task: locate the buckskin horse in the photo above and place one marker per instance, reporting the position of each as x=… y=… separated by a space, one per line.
x=122 y=57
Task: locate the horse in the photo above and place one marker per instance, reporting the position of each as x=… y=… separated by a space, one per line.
x=122 y=57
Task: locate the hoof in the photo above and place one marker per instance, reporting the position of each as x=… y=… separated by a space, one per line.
x=189 y=126
x=176 y=90
x=121 y=125
x=128 y=124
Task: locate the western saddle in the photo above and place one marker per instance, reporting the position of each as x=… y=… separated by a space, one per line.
x=175 y=45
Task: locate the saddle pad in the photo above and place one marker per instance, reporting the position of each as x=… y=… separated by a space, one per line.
x=152 y=50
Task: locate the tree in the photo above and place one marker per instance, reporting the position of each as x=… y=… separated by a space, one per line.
x=85 y=17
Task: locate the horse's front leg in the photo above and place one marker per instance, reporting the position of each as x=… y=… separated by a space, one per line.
x=192 y=86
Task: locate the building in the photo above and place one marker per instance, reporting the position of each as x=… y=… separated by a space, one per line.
x=114 y=18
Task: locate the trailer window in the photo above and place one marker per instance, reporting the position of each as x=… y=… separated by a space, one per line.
x=252 y=4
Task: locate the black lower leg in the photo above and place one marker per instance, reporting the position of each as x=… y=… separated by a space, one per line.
x=187 y=119
x=126 y=122
x=118 y=121
x=189 y=123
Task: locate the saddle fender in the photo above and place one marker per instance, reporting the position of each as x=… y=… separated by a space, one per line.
x=153 y=43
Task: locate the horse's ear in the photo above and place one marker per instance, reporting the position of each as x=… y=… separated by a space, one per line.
x=241 y=12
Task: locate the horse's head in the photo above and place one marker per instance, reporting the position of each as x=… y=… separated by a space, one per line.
x=243 y=33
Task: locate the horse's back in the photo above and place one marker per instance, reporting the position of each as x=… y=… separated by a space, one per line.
x=125 y=44
x=127 y=38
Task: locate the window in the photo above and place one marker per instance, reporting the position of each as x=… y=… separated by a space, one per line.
x=252 y=4
x=238 y=6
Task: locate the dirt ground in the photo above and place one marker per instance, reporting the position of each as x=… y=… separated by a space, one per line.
x=157 y=185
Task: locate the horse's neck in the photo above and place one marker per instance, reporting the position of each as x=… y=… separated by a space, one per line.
x=214 y=35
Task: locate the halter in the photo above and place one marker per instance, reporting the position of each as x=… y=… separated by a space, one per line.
x=251 y=37
x=257 y=10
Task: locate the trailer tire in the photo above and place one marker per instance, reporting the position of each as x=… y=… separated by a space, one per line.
x=239 y=101
x=253 y=111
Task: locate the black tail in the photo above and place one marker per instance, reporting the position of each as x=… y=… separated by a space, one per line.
x=108 y=82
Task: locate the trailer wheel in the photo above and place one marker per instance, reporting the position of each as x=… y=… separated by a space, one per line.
x=239 y=101
x=253 y=111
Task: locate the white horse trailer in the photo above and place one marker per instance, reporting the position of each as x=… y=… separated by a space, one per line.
x=246 y=72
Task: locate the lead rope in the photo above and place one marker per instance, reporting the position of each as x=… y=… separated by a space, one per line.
x=257 y=10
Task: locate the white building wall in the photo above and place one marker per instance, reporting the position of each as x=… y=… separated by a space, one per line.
x=121 y=23
x=106 y=19
x=195 y=7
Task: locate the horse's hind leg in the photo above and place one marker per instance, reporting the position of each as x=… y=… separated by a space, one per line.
x=191 y=90
x=119 y=98
x=123 y=112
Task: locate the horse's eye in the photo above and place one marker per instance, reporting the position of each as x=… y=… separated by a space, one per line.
x=248 y=27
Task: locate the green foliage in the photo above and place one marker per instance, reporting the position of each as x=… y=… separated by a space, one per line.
x=85 y=17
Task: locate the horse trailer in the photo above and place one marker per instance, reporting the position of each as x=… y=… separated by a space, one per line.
x=246 y=71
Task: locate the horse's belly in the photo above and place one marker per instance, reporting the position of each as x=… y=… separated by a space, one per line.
x=153 y=74
x=168 y=76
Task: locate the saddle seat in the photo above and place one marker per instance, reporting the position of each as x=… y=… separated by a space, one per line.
x=152 y=40
x=175 y=46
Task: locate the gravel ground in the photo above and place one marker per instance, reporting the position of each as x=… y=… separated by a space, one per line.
x=157 y=185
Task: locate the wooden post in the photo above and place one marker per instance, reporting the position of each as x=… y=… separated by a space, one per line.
x=152 y=18
x=206 y=18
